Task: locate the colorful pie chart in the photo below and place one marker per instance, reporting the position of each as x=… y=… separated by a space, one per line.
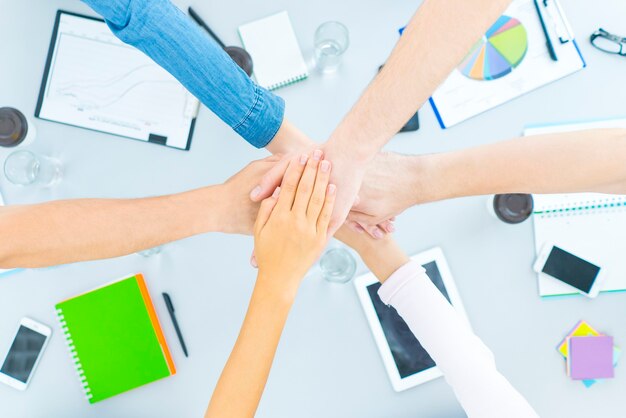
x=501 y=49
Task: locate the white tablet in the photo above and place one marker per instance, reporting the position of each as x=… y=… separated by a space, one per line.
x=407 y=363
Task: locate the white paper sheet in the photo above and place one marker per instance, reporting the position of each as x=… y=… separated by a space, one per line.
x=95 y=81
x=459 y=98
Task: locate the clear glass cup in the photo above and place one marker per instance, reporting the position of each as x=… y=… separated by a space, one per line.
x=338 y=265
x=25 y=168
x=331 y=41
x=151 y=251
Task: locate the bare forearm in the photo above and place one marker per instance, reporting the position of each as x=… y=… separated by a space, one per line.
x=288 y=139
x=239 y=389
x=584 y=161
x=437 y=38
x=382 y=257
x=75 y=230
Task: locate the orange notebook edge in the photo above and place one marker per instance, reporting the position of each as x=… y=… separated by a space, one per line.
x=155 y=322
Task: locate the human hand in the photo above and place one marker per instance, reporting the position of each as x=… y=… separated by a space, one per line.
x=346 y=175
x=238 y=212
x=273 y=177
x=291 y=229
x=392 y=183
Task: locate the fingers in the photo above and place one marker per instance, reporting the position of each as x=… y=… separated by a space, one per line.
x=355 y=226
x=364 y=218
x=307 y=181
x=388 y=225
x=339 y=216
x=318 y=197
x=267 y=206
x=291 y=179
x=374 y=231
x=270 y=180
x=365 y=223
x=327 y=210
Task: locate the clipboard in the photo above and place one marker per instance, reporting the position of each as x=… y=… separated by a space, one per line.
x=93 y=80
x=484 y=80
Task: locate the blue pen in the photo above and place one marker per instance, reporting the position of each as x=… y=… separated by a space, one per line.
x=545 y=31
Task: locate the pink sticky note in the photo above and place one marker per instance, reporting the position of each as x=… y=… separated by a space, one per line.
x=590 y=357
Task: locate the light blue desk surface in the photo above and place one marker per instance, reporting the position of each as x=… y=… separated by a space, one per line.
x=327 y=364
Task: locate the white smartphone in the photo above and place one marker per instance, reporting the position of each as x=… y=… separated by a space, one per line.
x=24 y=353
x=583 y=275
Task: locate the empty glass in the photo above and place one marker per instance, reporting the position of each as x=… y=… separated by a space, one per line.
x=338 y=265
x=150 y=252
x=25 y=168
x=331 y=41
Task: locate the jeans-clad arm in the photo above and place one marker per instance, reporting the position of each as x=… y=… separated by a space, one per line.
x=172 y=40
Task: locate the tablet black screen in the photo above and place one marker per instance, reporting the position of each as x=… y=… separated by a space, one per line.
x=408 y=354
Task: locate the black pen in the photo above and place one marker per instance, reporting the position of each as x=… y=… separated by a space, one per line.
x=206 y=27
x=170 y=309
x=545 y=32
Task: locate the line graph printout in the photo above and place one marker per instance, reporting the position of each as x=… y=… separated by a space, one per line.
x=95 y=81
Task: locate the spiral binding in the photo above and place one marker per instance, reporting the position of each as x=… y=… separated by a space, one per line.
x=74 y=355
x=288 y=81
x=595 y=206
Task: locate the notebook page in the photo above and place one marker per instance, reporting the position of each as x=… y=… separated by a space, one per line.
x=591 y=225
x=275 y=52
x=597 y=236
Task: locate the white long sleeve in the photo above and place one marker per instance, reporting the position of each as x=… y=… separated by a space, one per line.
x=466 y=363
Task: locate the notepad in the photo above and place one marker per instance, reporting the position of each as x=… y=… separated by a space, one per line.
x=115 y=339
x=589 y=224
x=276 y=55
x=590 y=357
x=583 y=329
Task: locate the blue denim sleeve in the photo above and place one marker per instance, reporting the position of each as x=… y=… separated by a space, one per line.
x=172 y=40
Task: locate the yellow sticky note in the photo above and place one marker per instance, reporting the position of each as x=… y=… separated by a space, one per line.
x=581 y=329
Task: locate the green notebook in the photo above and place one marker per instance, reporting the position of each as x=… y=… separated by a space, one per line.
x=115 y=339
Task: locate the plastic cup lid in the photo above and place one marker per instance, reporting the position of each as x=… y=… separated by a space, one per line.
x=241 y=58
x=513 y=208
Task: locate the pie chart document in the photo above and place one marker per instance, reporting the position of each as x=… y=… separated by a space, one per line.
x=510 y=59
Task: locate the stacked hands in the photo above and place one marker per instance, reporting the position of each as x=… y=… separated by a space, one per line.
x=348 y=175
x=381 y=192
x=292 y=226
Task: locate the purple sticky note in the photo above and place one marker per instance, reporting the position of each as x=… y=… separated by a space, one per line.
x=590 y=357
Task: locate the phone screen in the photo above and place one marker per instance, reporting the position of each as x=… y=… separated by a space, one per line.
x=570 y=269
x=23 y=354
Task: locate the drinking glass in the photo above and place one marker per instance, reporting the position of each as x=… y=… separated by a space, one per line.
x=338 y=265
x=151 y=251
x=331 y=41
x=25 y=168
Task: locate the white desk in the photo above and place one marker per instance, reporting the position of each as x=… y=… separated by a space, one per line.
x=327 y=364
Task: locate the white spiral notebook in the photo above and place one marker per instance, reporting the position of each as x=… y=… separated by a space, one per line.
x=591 y=225
x=276 y=55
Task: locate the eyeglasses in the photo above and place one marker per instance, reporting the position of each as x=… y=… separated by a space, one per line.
x=608 y=42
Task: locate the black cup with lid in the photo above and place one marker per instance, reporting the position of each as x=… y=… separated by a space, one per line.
x=513 y=208
x=13 y=127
